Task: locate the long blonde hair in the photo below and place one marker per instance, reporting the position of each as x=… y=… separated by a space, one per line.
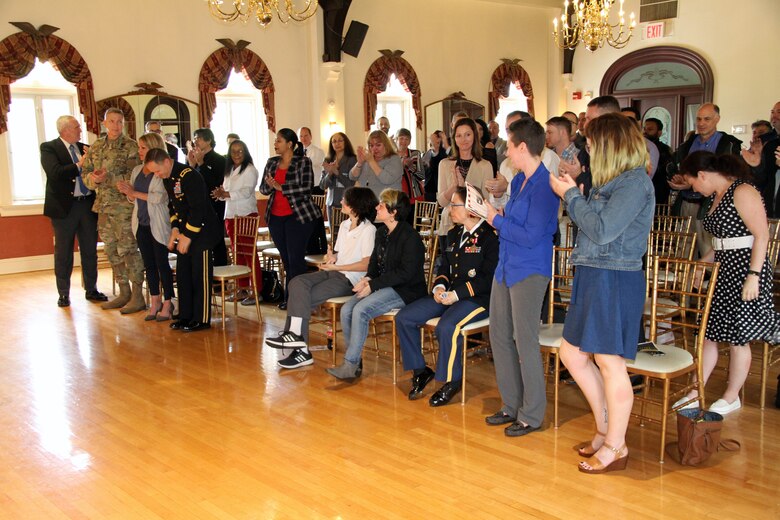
x=382 y=137
x=152 y=140
x=616 y=146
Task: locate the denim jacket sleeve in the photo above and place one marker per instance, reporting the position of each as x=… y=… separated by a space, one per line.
x=609 y=210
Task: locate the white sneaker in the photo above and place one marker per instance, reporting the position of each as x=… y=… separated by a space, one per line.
x=689 y=406
x=722 y=407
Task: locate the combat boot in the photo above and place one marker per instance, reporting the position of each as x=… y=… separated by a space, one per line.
x=121 y=300
x=137 y=302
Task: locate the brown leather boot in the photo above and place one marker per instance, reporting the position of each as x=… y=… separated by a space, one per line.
x=137 y=302
x=121 y=300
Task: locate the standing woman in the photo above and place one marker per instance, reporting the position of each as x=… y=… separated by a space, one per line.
x=151 y=225
x=525 y=234
x=742 y=309
x=414 y=173
x=489 y=152
x=379 y=167
x=435 y=154
x=335 y=170
x=608 y=294
x=238 y=193
x=464 y=164
x=291 y=212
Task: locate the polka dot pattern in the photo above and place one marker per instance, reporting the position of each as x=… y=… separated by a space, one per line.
x=733 y=320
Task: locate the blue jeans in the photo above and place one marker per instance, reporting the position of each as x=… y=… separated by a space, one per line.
x=356 y=313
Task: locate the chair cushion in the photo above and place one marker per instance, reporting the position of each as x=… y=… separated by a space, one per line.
x=673 y=360
x=551 y=335
x=231 y=271
x=339 y=300
x=314 y=259
x=263 y=245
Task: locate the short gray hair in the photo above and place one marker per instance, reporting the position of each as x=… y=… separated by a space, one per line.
x=64 y=120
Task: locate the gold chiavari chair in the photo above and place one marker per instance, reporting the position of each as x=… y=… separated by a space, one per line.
x=672 y=223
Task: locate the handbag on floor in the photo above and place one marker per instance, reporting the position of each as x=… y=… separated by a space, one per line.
x=698 y=437
x=272 y=288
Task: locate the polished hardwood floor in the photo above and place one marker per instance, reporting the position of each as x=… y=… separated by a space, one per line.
x=108 y=416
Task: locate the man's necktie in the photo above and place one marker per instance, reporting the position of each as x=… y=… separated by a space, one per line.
x=84 y=190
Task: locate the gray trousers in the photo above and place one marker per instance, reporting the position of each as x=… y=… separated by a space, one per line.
x=306 y=291
x=514 y=337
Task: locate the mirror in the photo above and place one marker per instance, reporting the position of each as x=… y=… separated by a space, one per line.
x=177 y=116
x=438 y=115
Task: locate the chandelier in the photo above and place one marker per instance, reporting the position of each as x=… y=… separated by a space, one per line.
x=590 y=25
x=262 y=10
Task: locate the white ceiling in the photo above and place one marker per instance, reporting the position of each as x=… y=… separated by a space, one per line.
x=531 y=3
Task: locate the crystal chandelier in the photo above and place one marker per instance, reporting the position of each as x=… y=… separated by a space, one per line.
x=262 y=10
x=590 y=25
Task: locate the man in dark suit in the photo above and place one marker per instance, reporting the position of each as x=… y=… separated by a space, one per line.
x=69 y=206
x=154 y=127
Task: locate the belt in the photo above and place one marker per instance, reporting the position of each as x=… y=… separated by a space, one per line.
x=719 y=244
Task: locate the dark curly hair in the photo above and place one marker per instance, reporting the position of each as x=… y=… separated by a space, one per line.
x=363 y=202
x=727 y=164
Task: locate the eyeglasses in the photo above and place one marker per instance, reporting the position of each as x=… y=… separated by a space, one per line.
x=456 y=205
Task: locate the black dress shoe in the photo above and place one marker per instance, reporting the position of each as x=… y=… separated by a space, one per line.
x=283 y=306
x=517 y=429
x=63 y=301
x=499 y=418
x=96 y=296
x=179 y=324
x=196 y=326
x=445 y=394
x=419 y=382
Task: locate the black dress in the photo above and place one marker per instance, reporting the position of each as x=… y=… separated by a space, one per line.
x=733 y=320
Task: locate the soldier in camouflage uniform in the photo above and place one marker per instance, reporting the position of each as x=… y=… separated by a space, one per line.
x=111 y=159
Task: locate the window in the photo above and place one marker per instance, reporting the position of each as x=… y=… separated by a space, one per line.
x=240 y=111
x=395 y=103
x=515 y=101
x=38 y=100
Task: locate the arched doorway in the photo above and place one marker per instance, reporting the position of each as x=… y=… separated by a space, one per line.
x=669 y=83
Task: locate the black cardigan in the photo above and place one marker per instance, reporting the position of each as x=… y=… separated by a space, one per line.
x=403 y=259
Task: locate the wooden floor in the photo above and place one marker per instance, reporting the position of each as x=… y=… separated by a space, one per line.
x=107 y=416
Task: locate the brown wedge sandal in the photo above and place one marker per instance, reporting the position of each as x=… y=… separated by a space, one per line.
x=619 y=464
x=586 y=449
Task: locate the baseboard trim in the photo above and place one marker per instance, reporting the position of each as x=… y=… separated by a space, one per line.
x=28 y=264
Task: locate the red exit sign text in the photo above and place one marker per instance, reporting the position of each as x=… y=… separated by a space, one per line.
x=654 y=30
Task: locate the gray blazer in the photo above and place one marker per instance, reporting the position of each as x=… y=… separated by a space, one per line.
x=157 y=205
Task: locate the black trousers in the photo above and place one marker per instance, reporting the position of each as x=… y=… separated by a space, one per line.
x=80 y=222
x=194 y=275
x=291 y=238
x=155 y=257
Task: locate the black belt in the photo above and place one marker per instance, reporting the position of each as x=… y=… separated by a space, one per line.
x=82 y=197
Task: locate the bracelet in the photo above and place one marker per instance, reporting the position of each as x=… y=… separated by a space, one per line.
x=755 y=273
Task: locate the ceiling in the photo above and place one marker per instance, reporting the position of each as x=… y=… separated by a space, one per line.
x=531 y=3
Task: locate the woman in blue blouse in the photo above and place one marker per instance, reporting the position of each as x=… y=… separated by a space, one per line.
x=525 y=233
x=608 y=295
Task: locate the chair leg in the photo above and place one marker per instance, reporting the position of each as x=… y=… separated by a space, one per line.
x=222 y=289
x=664 y=419
x=395 y=351
x=463 y=379
x=556 y=383
x=764 y=372
x=335 y=334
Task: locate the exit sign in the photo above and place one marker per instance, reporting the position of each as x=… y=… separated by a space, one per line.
x=654 y=30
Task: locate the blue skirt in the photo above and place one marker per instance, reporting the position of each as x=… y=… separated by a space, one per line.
x=605 y=312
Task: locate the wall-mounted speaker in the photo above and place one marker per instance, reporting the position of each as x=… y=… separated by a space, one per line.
x=353 y=41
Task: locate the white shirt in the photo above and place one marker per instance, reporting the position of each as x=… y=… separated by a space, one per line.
x=354 y=245
x=241 y=186
x=550 y=160
x=317 y=157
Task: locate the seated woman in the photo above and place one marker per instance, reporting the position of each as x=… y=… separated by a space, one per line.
x=461 y=295
x=395 y=278
x=343 y=268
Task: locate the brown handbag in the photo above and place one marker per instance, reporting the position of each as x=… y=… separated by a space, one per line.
x=698 y=436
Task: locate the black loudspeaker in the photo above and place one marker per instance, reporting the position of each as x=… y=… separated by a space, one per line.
x=353 y=41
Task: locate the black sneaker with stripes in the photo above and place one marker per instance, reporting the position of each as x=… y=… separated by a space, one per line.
x=297 y=358
x=286 y=339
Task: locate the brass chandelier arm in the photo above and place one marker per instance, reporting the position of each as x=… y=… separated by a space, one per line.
x=590 y=25
x=262 y=11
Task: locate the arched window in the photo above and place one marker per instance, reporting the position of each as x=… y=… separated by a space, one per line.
x=516 y=100
x=395 y=103
x=378 y=78
x=240 y=110
x=507 y=74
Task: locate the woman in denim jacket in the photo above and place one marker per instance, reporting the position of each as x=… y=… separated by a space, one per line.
x=609 y=285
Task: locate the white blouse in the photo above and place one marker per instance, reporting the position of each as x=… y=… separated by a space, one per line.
x=353 y=246
x=241 y=186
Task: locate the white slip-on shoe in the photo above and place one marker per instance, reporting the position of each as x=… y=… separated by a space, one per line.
x=722 y=407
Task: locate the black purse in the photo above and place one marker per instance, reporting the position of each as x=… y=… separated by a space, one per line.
x=272 y=291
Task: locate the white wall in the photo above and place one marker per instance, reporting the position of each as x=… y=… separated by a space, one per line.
x=738 y=39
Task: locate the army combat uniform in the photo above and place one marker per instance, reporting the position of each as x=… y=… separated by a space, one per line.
x=192 y=214
x=467 y=268
x=118 y=157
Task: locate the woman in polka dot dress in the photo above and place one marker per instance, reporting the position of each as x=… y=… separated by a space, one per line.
x=742 y=310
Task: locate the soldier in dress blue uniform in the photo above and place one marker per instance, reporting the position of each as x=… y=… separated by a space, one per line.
x=461 y=295
x=195 y=230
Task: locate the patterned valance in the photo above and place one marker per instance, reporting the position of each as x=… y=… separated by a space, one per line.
x=507 y=73
x=17 y=58
x=377 y=78
x=215 y=73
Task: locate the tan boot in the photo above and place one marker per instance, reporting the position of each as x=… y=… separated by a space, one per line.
x=121 y=300
x=137 y=302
